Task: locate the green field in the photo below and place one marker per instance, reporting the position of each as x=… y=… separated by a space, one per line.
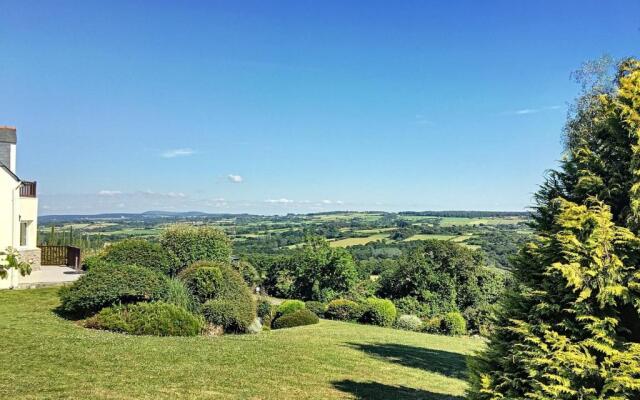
x=44 y=356
x=358 y=240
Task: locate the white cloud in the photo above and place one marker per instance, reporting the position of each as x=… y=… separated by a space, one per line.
x=109 y=192
x=422 y=120
x=235 y=178
x=178 y=194
x=279 y=201
x=177 y=153
x=332 y=202
x=525 y=111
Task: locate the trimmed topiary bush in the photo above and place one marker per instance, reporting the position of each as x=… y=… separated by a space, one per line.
x=179 y=295
x=289 y=307
x=380 y=312
x=140 y=252
x=203 y=279
x=232 y=305
x=453 y=324
x=107 y=285
x=157 y=319
x=409 y=323
x=91 y=262
x=316 y=307
x=297 y=318
x=344 y=310
x=233 y=315
x=190 y=244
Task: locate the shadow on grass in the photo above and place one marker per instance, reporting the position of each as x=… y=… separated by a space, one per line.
x=450 y=364
x=374 y=391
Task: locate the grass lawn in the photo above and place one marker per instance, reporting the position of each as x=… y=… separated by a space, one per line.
x=44 y=356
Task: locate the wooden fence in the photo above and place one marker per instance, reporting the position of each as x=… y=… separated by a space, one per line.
x=61 y=255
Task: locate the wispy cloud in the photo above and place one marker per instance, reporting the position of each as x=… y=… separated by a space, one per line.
x=235 y=178
x=423 y=120
x=109 y=192
x=279 y=201
x=327 y=202
x=177 y=153
x=526 y=111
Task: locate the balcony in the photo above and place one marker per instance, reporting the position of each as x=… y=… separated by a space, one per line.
x=28 y=189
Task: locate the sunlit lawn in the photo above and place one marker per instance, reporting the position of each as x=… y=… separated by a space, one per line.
x=44 y=356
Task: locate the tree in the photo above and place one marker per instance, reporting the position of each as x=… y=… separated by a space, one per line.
x=571 y=329
x=12 y=260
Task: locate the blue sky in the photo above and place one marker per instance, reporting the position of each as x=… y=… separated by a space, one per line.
x=296 y=106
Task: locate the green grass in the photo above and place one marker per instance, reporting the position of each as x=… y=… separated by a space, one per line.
x=358 y=240
x=44 y=356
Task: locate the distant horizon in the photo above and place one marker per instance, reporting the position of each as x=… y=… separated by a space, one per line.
x=194 y=212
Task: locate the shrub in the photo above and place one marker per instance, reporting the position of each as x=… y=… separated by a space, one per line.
x=344 y=310
x=297 y=318
x=179 y=295
x=232 y=315
x=266 y=311
x=203 y=279
x=157 y=319
x=91 y=262
x=432 y=325
x=106 y=285
x=316 y=307
x=232 y=306
x=140 y=252
x=409 y=323
x=480 y=319
x=289 y=307
x=453 y=323
x=248 y=272
x=190 y=244
x=380 y=312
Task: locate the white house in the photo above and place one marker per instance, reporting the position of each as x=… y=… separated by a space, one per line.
x=18 y=208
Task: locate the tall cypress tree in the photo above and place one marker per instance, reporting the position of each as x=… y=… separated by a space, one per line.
x=571 y=329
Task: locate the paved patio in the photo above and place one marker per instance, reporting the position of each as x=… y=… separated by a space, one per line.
x=48 y=276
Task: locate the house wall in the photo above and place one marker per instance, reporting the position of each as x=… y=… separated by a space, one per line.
x=7 y=194
x=8 y=155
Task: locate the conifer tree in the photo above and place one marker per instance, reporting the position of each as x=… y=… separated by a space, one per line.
x=571 y=329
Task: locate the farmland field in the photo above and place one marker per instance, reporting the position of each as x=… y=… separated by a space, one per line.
x=330 y=360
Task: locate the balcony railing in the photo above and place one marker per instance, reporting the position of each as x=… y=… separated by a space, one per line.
x=28 y=189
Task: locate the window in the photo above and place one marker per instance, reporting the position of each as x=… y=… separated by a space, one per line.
x=24 y=227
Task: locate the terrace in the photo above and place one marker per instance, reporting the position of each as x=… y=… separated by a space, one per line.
x=28 y=189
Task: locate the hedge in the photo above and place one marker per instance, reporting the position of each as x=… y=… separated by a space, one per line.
x=233 y=315
x=157 y=319
x=316 y=307
x=344 y=310
x=453 y=323
x=409 y=323
x=140 y=252
x=289 y=307
x=104 y=286
x=203 y=279
x=298 y=318
x=190 y=244
x=380 y=312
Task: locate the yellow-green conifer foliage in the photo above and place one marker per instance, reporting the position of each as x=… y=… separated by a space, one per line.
x=571 y=329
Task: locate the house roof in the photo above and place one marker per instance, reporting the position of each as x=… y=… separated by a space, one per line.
x=11 y=174
x=8 y=134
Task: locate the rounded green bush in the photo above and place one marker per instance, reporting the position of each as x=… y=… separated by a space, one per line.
x=203 y=279
x=409 y=323
x=344 y=310
x=316 y=307
x=91 y=262
x=233 y=315
x=104 y=286
x=190 y=244
x=289 y=307
x=157 y=319
x=297 y=318
x=140 y=252
x=380 y=312
x=453 y=323
x=266 y=312
x=232 y=306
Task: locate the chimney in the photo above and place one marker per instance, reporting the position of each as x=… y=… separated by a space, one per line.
x=8 y=142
